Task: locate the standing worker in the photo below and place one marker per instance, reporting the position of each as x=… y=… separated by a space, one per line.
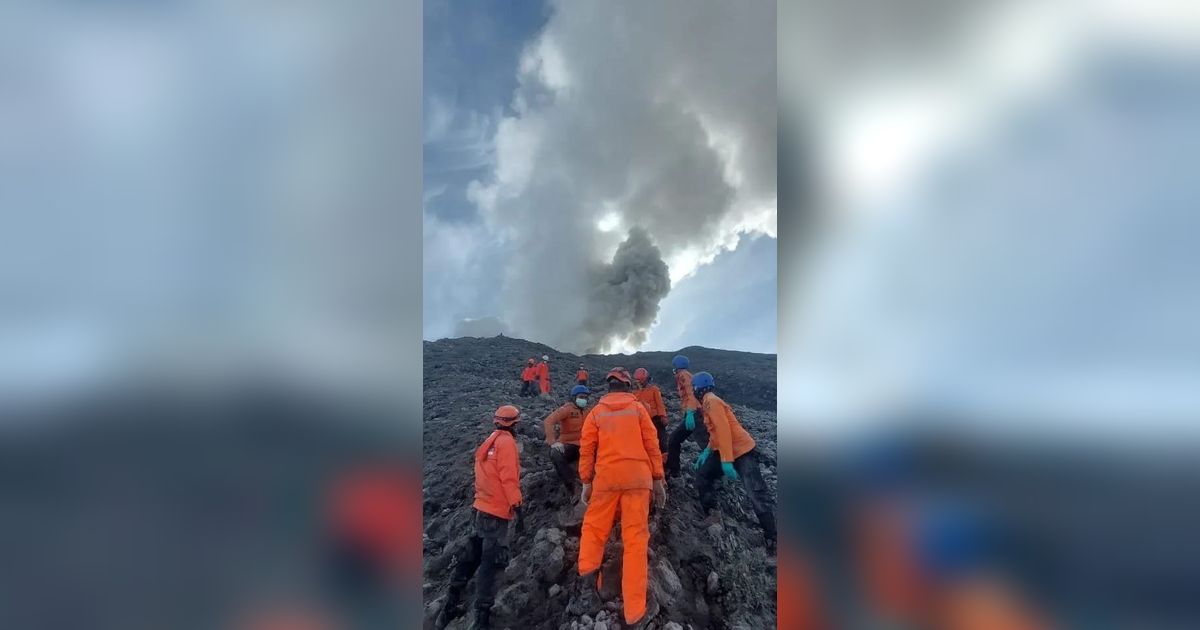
x=581 y=377
x=497 y=501
x=563 y=429
x=619 y=457
x=687 y=406
x=650 y=396
x=737 y=458
x=543 y=373
x=527 y=377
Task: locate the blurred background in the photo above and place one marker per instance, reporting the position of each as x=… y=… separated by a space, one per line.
x=209 y=314
x=988 y=340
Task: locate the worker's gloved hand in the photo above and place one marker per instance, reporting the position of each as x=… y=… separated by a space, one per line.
x=689 y=419
x=727 y=468
x=660 y=493
x=586 y=495
x=558 y=446
x=703 y=456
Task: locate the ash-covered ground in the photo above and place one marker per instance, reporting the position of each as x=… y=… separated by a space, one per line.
x=719 y=577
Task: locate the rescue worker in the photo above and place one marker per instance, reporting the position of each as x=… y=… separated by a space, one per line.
x=581 y=377
x=563 y=428
x=528 y=375
x=543 y=374
x=621 y=466
x=650 y=396
x=688 y=406
x=497 y=502
x=736 y=457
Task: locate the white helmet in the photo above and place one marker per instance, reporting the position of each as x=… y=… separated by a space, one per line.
x=545 y=358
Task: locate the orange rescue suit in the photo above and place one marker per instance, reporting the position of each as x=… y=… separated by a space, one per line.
x=687 y=398
x=726 y=434
x=619 y=456
x=543 y=373
x=569 y=419
x=529 y=373
x=581 y=376
x=651 y=397
x=497 y=489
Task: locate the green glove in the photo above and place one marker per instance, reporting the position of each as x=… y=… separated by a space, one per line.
x=703 y=456
x=689 y=419
x=729 y=471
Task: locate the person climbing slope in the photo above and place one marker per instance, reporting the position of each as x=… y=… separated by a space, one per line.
x=581 y=377
x=688 y=406
x=497 y=503
x=563 y=427
x=543 y=374
x=736 y=458
x=528 y=375
x=650 y=396
x=620 y=465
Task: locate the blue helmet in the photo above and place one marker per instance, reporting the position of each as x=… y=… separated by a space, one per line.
x=580 y=389
x=702 y=381
x=680 y=362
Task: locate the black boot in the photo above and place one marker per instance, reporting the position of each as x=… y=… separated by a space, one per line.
x=450 y=609
x=483 y=619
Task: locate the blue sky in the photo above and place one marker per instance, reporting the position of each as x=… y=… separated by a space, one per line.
x=551 y=131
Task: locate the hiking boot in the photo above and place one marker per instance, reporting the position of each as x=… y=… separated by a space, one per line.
x=483 y=619
x=450 y=610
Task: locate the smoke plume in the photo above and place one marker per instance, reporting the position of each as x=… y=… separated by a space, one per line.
x=640 y=143
x=624 y=298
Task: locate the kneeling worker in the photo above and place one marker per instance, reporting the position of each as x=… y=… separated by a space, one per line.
x=497 y=501
x=563 y=428
x=619 y=457
x=736 y=457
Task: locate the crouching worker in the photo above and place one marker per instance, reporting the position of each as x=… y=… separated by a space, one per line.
x=650 y=396
x=497 y=502
x=563 y=428
x=620 y=465
x=735 y=457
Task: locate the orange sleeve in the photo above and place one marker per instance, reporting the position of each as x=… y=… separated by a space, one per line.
x=660 y=409
x=509 y=466
x=587 y=447
x=721 y=434
x=551 y=420
x=650 y=441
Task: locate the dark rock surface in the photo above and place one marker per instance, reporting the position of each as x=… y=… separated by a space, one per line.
x=467 y=378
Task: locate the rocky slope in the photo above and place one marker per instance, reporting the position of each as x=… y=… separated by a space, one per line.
x=719 y=577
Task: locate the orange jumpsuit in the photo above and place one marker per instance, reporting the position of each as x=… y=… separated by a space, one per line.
x=581 y=377
x=651 y=397
x=497 y=466
x=543 y=372
x=569 y=420
x=620 y=457
x=687 y=398
x=725 y=434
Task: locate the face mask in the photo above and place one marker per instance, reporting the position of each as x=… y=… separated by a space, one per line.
x=581 y=402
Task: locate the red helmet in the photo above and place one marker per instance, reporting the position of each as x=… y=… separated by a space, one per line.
x=641 y=375
x=507 y=415
x=620 y=374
